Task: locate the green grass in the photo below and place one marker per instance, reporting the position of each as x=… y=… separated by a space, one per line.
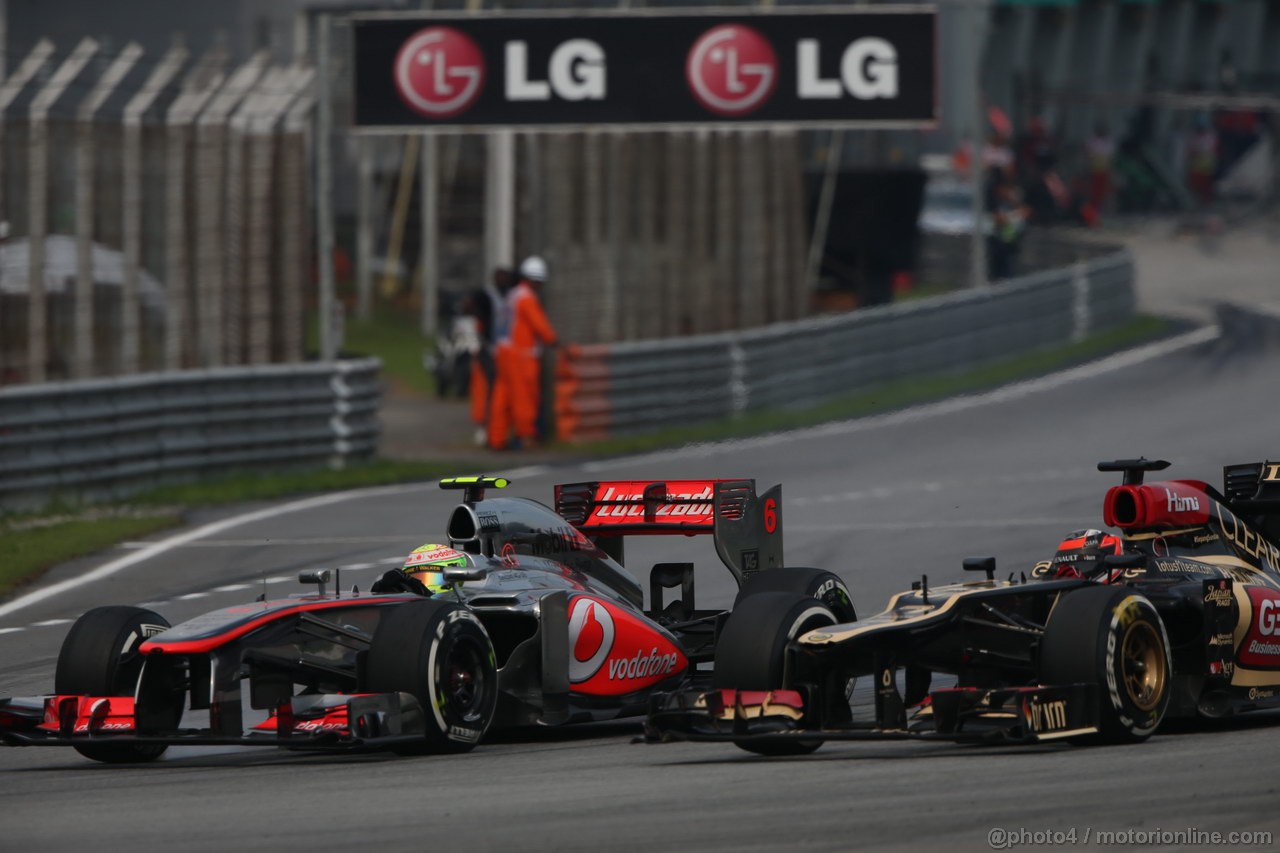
x=896 y=395
x=391 y=334
x=25 y=552
x=31 y=544
x=242 y=487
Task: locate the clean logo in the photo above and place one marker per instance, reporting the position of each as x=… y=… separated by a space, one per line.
x=439 y=72
x=591 y=634
x=732 y=70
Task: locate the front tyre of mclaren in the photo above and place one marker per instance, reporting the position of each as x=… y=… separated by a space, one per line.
x=1114 y=638
x=438 y=652
x=100 y=657
x=751 y=653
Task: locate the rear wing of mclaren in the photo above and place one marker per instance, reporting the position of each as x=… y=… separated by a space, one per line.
x=747 y=527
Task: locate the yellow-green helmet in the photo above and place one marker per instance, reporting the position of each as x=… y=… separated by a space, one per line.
x=426 y=565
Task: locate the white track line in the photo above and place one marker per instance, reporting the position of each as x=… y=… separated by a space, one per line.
x=1118 y=361
x=292 y=543
x=1093 y=369
x=165 y=545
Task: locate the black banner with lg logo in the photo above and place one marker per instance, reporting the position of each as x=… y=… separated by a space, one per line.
x=633 y=69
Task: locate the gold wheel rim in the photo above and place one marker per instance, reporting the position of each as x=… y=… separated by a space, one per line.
x=1142 y=665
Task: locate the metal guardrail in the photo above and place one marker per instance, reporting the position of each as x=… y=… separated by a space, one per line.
x=109 y=437
x=629 y=388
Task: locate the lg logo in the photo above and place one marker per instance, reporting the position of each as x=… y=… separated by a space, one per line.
x=732 y=70
x=440 y=72
x=868 y=69
x=575 y=73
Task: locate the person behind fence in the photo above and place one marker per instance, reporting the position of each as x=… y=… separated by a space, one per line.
x=519 y=362
x=489 y=305
x=1007 y=216
x=1202 y=159
x=1101 y=151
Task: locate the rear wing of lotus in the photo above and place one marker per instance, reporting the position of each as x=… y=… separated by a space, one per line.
x=747 y=527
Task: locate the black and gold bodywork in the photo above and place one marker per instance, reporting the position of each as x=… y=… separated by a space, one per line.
x=1207 y=561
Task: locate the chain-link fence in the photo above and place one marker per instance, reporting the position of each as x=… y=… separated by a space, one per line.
x=155 y=211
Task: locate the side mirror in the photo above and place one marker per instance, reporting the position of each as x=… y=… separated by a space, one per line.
x=1125 y=561
x=981 y=564
x=458 y=574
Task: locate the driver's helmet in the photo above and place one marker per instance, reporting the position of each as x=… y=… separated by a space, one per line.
x=426 y=565
x=1080 y=555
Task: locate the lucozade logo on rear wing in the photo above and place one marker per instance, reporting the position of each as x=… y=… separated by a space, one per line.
x=689 y=502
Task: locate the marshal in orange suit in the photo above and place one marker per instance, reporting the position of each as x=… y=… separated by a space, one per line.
x=518 y=381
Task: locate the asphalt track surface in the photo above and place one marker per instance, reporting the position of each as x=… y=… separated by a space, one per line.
x=880 y=501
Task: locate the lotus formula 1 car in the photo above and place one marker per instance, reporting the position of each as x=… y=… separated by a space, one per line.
x=542 y=625
x=1178 y=615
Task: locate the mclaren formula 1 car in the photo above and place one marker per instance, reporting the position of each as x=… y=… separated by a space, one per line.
x=542 y=625
x=1177 y=615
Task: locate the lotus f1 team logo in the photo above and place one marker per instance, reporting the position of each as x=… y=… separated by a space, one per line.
x=732 y=70
x=439 y=72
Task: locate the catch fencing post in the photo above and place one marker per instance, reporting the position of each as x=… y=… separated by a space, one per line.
x=216 y=278
x=131 y=215
x=9 y=91
x=429 y=209
x=82 y=367
x=200 y=85
x=324 y=191
x=38 y=204
x=295 y=243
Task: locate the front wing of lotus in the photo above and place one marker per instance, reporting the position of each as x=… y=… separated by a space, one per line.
x=962 y=714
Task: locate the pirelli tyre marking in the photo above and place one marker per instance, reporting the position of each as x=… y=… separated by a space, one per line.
x=1137 y=664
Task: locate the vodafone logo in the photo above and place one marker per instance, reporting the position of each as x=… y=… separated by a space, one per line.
x=591 y=633
x=439 y=72
x=732 y=70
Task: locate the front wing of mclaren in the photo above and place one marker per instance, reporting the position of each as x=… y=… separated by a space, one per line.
x=961 y=714
x=316 y=722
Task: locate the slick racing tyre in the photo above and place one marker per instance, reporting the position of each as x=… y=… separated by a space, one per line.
x=751 y=651
x=440 y=653
x=1112 y=637
x=100 y=657
x=821 y=584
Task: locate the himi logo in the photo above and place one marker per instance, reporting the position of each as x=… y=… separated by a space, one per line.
x=1178 y=503
x=439 y=72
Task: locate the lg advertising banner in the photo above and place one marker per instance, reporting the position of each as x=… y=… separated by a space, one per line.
x=638 y=69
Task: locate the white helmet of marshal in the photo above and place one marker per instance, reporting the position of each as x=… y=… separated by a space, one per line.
x=533 y=268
